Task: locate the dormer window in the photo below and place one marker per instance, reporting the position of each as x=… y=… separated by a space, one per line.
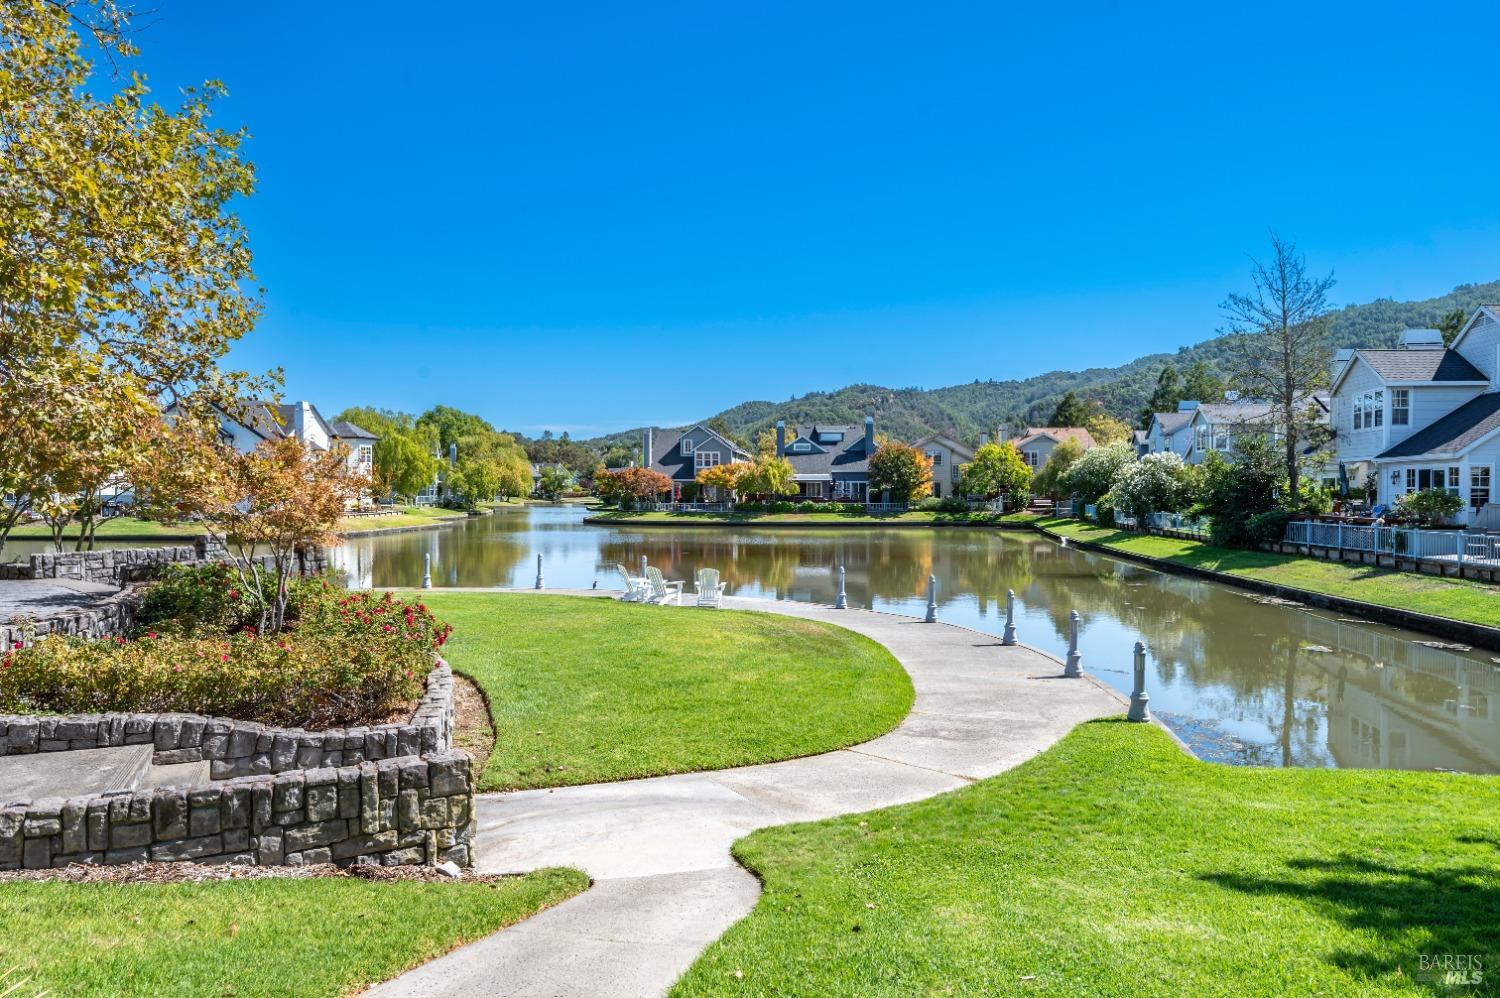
x=829 y=437
x=800 y=447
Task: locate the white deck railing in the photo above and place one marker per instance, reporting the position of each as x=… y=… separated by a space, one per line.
x=1458 y=546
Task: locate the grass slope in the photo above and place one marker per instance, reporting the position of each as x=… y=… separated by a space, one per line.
x=833 y=519
x=252 y=937
x=588 y=690
x=129 y=526
x=1460 y=599
x=1114 y=864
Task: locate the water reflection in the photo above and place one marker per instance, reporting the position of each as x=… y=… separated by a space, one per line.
x=1240 y=680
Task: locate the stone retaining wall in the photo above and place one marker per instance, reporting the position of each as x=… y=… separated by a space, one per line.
x=391 y=812
x=125 y=565
x=241 y=748
x=110 y=615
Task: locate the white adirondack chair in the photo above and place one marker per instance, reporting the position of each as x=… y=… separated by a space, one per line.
x=662 y=591
x=710 y=590
x=636 y=588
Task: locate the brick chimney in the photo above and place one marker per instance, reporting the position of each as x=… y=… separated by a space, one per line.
x=781 y=438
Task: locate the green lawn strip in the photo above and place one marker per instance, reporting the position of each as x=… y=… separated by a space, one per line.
x=1459 y=599
x=1114 y=864
x=115 y=526
x=276 y=936
x=590 y=690
x=405 y=516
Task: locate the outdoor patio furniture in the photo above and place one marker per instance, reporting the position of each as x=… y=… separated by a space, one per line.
x=662 y=591
x=710 y=590
x=636 y=588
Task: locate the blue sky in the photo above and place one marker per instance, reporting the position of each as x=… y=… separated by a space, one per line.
x=590 y=217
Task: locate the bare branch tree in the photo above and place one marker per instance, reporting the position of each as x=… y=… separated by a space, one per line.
x=1279 y=349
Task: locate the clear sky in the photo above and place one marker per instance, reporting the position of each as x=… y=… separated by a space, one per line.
x=590 y=217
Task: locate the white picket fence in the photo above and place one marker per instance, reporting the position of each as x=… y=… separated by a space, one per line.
x=1458 y=546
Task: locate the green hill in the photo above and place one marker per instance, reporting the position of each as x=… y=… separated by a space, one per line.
x=909 y=413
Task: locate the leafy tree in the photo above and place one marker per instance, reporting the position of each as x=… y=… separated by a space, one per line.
x=281 y=498
x=1279 y=349
x=1072 y=411
x=1236 y=490
x=1050 y=480
x=1156 y=483
x=726 y=477
x=767 y=476
x=1165 y=397
x=452 y=424
x=1105 y=429
x=903 y=470
x=619 y=457
x=631 y=484
x=1451 y=324
x=403 y=466
x=1091 y=476
x=1202 y=385
x=998 y=469
x=553 y=482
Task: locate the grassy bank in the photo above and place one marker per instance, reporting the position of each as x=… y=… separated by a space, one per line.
x=1114 y=864
x=254 y=937
x=588 y=690
x=1459 y=599
x=400 y=516
x=130 y=527
x=828 y=519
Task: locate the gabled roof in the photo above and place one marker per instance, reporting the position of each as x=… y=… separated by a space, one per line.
x=1256 y=412
x=1446 y=365
x=346 y=430
x=668 y=458
x=1483 y=315
x=1058 y=434
x=962 y=450
x=1455 y=432
x=1171 y=422
x=846 y=457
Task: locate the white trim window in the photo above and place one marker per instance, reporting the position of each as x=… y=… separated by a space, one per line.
x=1479 y=485
x=706 y=459
x=1221 y=437
x=1400 y=407
x=934 y=458
x=1369 y=410
x=686 y=444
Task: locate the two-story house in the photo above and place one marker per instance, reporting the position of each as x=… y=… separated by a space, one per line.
x=1171 y=431
x=1424 y=416
x=1222 y=426
x=829 y=462
x=681 y=454
x=1038 y=442
x=947 y=457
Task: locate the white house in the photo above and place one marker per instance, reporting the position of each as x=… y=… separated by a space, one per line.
x=1424 y=416
x=256 y=422
x=948 y=456
x=1038 y=442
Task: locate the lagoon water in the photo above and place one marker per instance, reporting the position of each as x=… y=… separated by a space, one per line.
x=1240 y=680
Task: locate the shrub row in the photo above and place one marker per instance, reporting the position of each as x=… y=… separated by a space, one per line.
x=347 y=658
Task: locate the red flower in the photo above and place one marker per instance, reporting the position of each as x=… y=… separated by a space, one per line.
x=150 y=634
x=234 y=594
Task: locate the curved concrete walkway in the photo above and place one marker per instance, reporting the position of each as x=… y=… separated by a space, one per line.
x=665 y=885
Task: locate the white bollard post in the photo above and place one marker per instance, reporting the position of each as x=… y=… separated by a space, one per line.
x=1010 y=618
x=427 y=571
x=842 y=603
x=1139 y=711
x=1073 y=669
x=931 y=600
x=643 y=566
x=539 y=570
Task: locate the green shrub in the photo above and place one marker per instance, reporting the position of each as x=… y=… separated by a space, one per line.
x=1430 y=506
x=1267 y=527
x=346 y=658
x=188 y=599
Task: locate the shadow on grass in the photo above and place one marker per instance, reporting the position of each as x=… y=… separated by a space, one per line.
x=1415 y=912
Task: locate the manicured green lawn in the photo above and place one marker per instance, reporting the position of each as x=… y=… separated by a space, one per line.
x=1114 y=864
x=252 y=937
x=400 y=516
x=1460 y=599
x=588 y=690
x=115 y=526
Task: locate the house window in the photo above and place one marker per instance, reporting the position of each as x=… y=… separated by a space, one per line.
x=1221 y=438
x=935 y=458
x=1369 y=410
x=366 y=454
x=1032 y=459
x=800 y=447
x=1377 y=407
x=1454 y=476
x=1423 y=479
x=1400 y=407
x=687 y=445
x=1479 y=486
x=1411 y=479
x=705 y=459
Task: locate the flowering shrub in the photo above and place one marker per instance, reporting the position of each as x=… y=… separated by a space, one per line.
x=200 y=598
x=347 y=658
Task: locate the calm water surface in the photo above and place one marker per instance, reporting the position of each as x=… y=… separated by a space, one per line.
x=1240 y=680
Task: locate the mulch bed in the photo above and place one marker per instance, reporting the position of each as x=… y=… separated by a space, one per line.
x=472 y=730
x=197 y=873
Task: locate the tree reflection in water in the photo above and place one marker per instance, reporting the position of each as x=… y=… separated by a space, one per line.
x=1246 y=681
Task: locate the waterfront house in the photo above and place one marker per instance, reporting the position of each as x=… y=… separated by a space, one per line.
x=1424 y=415
x=1222 y=426
x=256 y=422
x=1171 y=431
x=1038 y=442
x=681 y=454
x=829 y=462
x=947 y=456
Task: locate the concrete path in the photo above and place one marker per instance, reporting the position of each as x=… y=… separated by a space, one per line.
x=665 y=885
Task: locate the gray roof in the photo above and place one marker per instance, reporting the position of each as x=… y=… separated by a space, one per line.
x=1421 y=365
x=346 y=430
x=845 y=457
x=1455 y=431
x=1171 y=422
x=1255 y=412
x=668 y=459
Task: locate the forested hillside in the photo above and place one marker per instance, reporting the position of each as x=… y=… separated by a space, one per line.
x=908 y=413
